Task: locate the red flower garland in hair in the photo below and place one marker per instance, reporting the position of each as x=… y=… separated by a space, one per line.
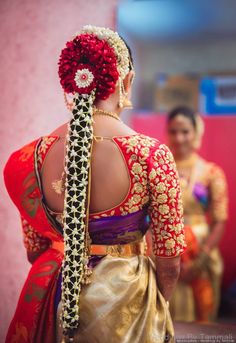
x=87 y=63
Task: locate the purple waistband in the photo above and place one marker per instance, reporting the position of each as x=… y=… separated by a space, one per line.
x=119 y=229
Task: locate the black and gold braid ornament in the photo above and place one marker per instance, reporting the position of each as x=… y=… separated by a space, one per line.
x=75 y=270
x=90 y=65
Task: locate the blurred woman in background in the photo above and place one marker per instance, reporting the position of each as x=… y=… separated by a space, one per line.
x=204 y=192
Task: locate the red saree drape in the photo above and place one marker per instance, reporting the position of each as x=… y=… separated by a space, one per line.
x=34 y=319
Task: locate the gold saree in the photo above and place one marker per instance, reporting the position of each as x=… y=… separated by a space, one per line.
x=205 y=203
x=122 y=304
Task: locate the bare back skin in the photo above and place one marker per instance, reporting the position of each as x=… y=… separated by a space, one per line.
x=110 y=181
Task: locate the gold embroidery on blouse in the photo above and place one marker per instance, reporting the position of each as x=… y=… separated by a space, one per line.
x=104 y=215
x=139 y=146
x=43 y=147
x=166 y=216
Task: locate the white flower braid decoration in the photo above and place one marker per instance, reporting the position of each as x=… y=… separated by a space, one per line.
x=115 y=42
x=75 y=269
x=83 y=78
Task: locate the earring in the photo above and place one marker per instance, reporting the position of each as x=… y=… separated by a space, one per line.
x=127 y=104
x=124 y=102
x=122 y=93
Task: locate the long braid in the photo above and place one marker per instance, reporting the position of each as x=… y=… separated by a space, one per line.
x=89 y=68
x=78 y=153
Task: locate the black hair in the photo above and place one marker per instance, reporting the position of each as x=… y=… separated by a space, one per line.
x=131 y=62
x=184 y=111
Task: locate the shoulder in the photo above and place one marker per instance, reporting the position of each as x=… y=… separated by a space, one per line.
x=138 y=144
x=23 y=153
x=138 y=141
x=17 y=166
x=212 y=172
x=213 y=169
x=158 y=154
x=158 y=151
x=60 y=131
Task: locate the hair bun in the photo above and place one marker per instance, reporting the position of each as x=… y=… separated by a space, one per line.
x=88 y=63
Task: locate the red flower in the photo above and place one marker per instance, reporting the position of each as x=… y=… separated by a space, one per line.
x=95 y=56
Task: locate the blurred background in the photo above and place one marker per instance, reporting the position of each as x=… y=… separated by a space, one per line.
x=184 y=54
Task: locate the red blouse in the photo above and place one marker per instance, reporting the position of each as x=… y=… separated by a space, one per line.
x=153 y=183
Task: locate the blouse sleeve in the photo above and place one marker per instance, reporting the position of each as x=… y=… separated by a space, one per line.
x=166 y=212
x=218 y=194
x=33 y=241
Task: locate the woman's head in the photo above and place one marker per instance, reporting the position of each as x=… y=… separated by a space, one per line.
x=97 y=60
x=182 y=130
